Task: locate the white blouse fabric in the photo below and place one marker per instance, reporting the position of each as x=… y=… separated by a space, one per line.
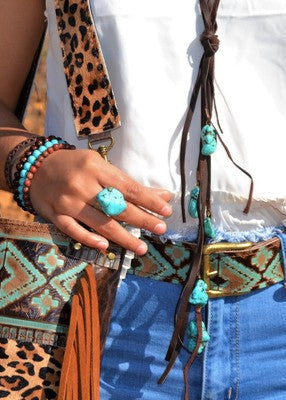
x=152 y=51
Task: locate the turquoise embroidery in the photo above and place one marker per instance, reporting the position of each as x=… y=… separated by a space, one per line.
x=193 y=335
x=45 y=302
x=199 y=295
x=22 y=277
x=51 y=260
x=274 y=273
x=208 y=138
x=36 y=239
x=232 y=271
x=262 y=257
x=64 y=282
x=177 y=253
x=29 y=323
x=193 y=204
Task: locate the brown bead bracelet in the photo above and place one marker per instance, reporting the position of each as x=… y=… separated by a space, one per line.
x=28 y=166
x=12 y=156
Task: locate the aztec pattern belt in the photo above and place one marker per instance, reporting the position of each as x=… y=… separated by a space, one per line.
x=229 y=269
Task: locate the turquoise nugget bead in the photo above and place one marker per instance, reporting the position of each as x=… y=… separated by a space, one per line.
x=42 y=149
x=21 y=196
x=23 y=173
x=27 y=166
x=209 y=228
x=209 y=148
x=199 y=296
x=54 y=141
x=111 y=201
x=48 y=144
x=193 y=334
x=21 y=181
x=31 y=159
x=36 y=153
x=193 y=204
x=208 y=138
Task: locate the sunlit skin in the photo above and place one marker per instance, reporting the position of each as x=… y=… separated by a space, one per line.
x=64 y=188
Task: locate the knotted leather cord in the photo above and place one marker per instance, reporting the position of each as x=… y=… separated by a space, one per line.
x=204 y=83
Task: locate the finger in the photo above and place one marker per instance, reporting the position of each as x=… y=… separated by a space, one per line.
x=110 y=229
x=135 y=216
x=134 y=192
x=138 y=217
x=165 y=194
x=72 y=228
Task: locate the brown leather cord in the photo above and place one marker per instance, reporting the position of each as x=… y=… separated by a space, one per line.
x=183 y=313
x=195 y=352
x=204 y=83
x=204 y=80
x=185 y=133
x=81 y=365
x=248 y=204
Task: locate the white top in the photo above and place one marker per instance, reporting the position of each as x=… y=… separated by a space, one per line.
x=152 y=51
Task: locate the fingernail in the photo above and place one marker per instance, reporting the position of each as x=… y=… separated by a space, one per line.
x=141 y=249
x=160 y=228
x=166 y=210
x=102 y=244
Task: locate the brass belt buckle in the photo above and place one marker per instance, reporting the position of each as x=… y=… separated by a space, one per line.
x=207 y=273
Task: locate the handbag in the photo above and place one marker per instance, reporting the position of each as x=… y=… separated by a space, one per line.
x=56 y=300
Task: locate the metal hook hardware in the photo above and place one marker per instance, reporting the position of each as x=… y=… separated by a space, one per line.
x=104 y=149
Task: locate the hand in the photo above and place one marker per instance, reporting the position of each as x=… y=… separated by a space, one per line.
x=64 y=188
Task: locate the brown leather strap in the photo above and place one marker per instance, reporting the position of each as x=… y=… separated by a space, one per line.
x=204 y=82
x=91 y=95
x=195 y=352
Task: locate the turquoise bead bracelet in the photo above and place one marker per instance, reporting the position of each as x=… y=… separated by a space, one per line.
x=28 y=166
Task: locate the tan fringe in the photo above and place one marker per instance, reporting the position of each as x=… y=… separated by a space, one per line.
x=81 y=365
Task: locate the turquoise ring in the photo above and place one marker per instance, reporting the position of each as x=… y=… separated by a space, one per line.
x=111 y=201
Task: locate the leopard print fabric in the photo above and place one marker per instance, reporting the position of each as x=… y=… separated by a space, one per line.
x=89 y=86
x=29 y=371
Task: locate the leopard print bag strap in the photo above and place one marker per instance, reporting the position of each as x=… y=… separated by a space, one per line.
x=92 y=100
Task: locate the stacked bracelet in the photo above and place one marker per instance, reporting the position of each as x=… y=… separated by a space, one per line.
x=12 y=156
x=28 y=166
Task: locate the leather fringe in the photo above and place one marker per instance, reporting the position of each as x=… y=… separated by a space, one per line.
x=81 y=365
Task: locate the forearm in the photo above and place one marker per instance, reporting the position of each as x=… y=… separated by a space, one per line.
x=12 y=132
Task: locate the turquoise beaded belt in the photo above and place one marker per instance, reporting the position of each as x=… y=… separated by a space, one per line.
x=229 y=269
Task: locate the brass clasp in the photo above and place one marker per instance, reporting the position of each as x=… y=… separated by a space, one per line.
x=102 y=150
x=207 y=273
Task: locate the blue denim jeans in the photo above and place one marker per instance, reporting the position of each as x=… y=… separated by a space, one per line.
x=244 y=360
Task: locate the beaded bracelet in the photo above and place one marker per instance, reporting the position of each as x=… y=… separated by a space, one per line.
x=28 y=166
x=12 y=156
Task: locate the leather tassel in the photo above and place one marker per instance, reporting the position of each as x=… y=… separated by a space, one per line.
x=81 y=365
x=195 y=352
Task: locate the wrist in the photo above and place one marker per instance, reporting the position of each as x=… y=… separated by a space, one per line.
x=29 y=163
